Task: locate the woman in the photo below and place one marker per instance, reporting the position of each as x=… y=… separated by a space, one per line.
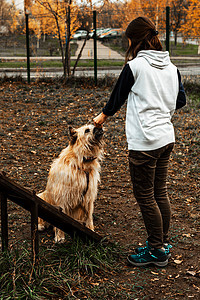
x=154 y=90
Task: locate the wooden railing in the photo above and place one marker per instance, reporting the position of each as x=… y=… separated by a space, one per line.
x=38 y=208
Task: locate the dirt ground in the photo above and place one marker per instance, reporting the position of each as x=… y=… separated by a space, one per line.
x=34 y=130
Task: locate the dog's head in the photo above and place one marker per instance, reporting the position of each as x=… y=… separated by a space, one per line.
x=86 y=140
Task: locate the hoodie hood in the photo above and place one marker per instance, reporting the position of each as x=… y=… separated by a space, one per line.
x=157 y=59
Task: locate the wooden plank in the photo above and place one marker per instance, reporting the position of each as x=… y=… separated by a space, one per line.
x=4 y=221
x=49 y=213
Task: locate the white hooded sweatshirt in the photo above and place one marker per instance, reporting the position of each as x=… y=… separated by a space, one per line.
x=151 y=101
x=154 y=90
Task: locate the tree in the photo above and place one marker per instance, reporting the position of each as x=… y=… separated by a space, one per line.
x=178 y=16
x=59 y=18
x=131 y=10
x=9 y=17
x=40 y=22
x=191 y=28
x=85 y=14
x=153 y=9
x=113 y=14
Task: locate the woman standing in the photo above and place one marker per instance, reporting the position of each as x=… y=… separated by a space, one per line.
x=154 y=90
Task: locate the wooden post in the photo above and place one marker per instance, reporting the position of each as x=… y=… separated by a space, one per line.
x=34 y=232
x=4 y=221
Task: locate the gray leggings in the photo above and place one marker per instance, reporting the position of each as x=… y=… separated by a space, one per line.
x=148 y=171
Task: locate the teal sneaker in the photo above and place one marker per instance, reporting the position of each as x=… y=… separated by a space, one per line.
x=147 y=257
x=147 y=247
x=167 y=246
x=142 y=249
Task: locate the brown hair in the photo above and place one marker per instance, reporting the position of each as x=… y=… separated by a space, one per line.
x=143 y=35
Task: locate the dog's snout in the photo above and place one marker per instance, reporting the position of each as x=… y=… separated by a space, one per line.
x=98 y=131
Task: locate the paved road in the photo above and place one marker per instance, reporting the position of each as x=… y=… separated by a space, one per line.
x=58 y=73
x=103 y=52
x=83 y=72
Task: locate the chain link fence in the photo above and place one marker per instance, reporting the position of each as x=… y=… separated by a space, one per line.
x=111 y=44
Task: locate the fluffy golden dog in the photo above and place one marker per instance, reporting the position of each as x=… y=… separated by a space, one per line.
x=73 y=178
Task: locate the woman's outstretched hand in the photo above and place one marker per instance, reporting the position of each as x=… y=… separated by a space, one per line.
x=99 y=120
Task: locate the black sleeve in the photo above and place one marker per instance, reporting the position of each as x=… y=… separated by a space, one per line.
x=120 y=91
x=181 y=98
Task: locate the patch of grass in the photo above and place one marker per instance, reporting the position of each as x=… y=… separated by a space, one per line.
x=190 y=62
x=15 y=45
x=58 y=64
x=23 y=64
x=62 y=271
x=192 y=89
x=183 y=49
x=180 y=49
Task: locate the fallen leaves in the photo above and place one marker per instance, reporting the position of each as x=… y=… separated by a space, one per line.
x=178 y=259
x=155 y=279
x=193 y=273
x=35 y=131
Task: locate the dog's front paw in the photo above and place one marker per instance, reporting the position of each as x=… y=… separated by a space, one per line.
x=90 y=226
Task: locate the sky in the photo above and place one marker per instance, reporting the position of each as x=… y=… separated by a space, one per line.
x=19 y=3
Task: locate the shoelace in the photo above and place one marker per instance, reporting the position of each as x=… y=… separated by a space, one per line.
x=146 y=249
x=143 y=252
x=166 y=246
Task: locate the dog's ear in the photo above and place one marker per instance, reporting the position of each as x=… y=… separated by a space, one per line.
x=73 y=135
x=72 y=131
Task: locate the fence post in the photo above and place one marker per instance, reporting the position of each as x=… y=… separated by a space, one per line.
x=27 y=49
x=167 y=27
x=34 y=232
x=95 y=45
x=4 y=221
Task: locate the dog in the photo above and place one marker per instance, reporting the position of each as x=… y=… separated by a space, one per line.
x=74 y=176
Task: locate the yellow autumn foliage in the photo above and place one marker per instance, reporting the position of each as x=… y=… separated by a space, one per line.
x=15 y=17
x=49 y=17
x=192 y=25
x=153 y=9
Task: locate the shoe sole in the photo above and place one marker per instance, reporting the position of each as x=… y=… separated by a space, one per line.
x=157 y=263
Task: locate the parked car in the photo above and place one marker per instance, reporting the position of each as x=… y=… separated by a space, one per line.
x=114 y=32
x=99 y=31
x=79 y=34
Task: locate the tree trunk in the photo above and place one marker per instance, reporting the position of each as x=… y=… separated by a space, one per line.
x=67 y=71
x=65 y=50
x=175 y=38
x=199 y=49
x=80 y=53
x=38 y=42
x=60 y=41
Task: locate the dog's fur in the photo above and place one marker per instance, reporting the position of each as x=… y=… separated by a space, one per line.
x=74 y=176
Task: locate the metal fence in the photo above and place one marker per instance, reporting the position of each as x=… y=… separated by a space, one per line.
x=45 y=54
